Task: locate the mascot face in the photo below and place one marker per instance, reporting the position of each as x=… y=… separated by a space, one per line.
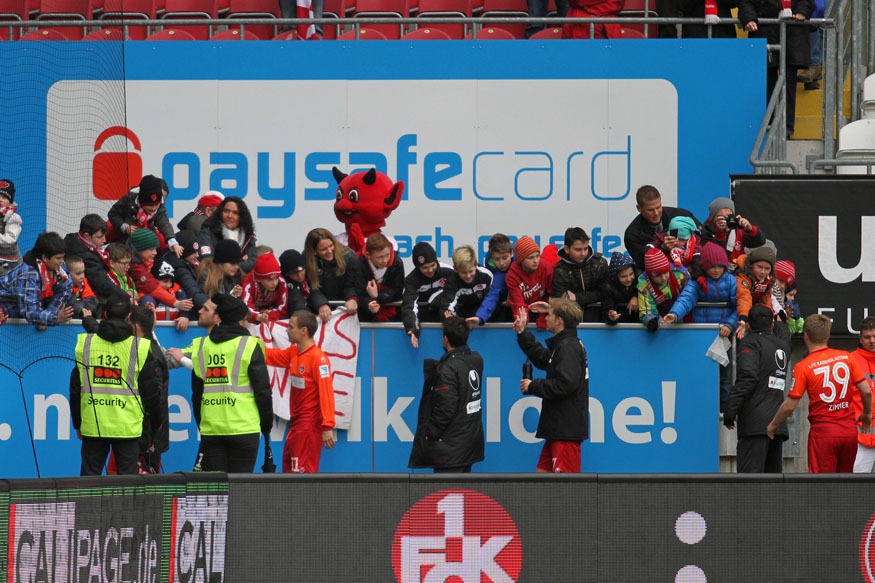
x=366 y=199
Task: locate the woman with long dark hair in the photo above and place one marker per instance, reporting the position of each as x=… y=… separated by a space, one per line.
x=232 y=220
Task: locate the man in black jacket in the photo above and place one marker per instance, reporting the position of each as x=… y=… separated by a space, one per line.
x=449 y=433
x=89 y=244
x=762 y=374
x=564 y=421
x=653 y=218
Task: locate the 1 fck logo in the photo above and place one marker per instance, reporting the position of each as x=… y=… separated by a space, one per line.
x=456 y=535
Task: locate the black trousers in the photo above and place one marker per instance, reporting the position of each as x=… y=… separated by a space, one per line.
x=233 y=454
x=454 y=470
x=95 y=451
x=760 y=455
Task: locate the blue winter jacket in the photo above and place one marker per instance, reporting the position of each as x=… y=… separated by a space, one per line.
x=721 y=290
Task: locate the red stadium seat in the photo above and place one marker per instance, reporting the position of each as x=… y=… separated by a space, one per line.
x=234 y=34
x=256 y=9
x=130 y=10
x=67 y=10
x=447 y=8
x=171 y=34
x=641 y=9
x=383 y=8
x=333 y=9
x=44 y=34
x=12 y=11
x=191 y=9
x=507 y=9
x=631 y=33
x=547 y=34
x=492 y=33
x=426 y=33
x=105 y=34
x=364 y=34
x=287 y=35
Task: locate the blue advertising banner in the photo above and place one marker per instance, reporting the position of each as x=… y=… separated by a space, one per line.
x=653 y=406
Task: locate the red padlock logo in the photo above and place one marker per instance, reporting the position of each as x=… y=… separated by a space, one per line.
x=113 y=174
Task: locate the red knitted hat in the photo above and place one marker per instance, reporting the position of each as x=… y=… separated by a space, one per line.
x=524 y=247
x=785 y=271
x=210 y=199
x=655 y=261
x=266 y=266
x=711 y=256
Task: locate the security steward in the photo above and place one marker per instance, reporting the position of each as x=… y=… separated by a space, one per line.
x=115 y=382
x=230 y=388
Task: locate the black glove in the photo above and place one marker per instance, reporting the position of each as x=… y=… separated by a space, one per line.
x=268 y=467
x=653 y=324
x=728 y=422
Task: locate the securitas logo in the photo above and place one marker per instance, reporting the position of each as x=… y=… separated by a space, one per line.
x=217 y=375
x=457 y=536
x=105 y=375
x=117 y=165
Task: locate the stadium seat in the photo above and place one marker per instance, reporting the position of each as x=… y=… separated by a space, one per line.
x=427 y=33
x=641 y=9
x=234 y=34
x=171 y=34
x=507 y=9
x=105 y=34
x=256 y=9
x=364 y=34
x=287 y=35
x=492 y=33
x=12 y=11
x=631 y=33
x=385 y=9
x=131 y=10
x=188 y=10
x=856 y=140
x=333 y=9
x=446 y=8
x=868 y=100
x=547 y=34
x=44 y=34
x=54 y=10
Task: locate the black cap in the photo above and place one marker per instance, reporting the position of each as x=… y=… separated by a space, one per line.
x=188 y=241
x=150 y=190
x=229 y=308
x=423 y=253
x=7 y=189
x=227 y=251
x=291 y=261
x=162 y=270
x=760 y=318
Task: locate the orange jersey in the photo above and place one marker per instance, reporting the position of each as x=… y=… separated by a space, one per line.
x=829 y=377
x=865 y=361
x=312 y=398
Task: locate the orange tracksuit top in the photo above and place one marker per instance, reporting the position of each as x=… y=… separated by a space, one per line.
x=312 y=399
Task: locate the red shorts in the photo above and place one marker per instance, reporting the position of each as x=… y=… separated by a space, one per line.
x=831 y=455
x=302 y=450
x=560 y=457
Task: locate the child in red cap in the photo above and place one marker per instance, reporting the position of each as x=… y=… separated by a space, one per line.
x=529 y=281
x=658 y=288
x=265 y=291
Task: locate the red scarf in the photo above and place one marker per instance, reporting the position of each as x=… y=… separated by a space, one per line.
x=104 y=256
x=759 y=290
x=710 y=8
x=49 y=279
x=143 y=218
x=8 y=210
x=786 y=9
x=664 y=301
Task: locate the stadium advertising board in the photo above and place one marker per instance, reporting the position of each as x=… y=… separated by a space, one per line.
x=826 y=226
x=650 y=409
x=523 y=138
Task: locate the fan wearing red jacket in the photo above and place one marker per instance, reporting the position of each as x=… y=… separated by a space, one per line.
x=265 y=292
x=593 y=9
x=829 y=377
x=312 y=399
x=529 y=281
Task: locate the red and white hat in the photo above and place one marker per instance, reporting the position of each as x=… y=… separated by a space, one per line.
x=785 y=271
x=266 y=267
x=655 y=261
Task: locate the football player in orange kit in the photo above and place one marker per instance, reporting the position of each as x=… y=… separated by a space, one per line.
x=312 y=400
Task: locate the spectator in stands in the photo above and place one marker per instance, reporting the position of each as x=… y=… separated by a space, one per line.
x=755 y=282
x=206 y=206
x=39 y=289
x=294 y=272
x=449 y=429
x=332 y=272
x=538 y=9
x=117 y=268
x=761 y=378
x=529 y=281
x=231 y=221
x=421 y=287
x=798 y=52
x=864 y=358
x=291 y=9
x=466 y=288
x=710 y=11
x=10 y=228
x=826 y=375
x=90 y=244
x=730 y=231
x=580 y=273
x=653 y=218
x=493 y=308
x=143 y=210
x=658 y=288
x=82 y=297
x=795 y=321
x=564 y=394
x=162 y=270
x=220 y=273
x=382 y=278
x=810 y=77
x=265 y=292
x=619 y=293
x=155 y=439
x=785 y=277
x=592 y=9
x=149 y=290
x=684 y=244
x=185 y=271
x=718 y=286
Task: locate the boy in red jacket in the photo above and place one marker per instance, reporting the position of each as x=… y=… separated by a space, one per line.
x=529 y=281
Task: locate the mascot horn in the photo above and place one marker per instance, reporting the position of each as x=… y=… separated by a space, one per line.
x=363 y=203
